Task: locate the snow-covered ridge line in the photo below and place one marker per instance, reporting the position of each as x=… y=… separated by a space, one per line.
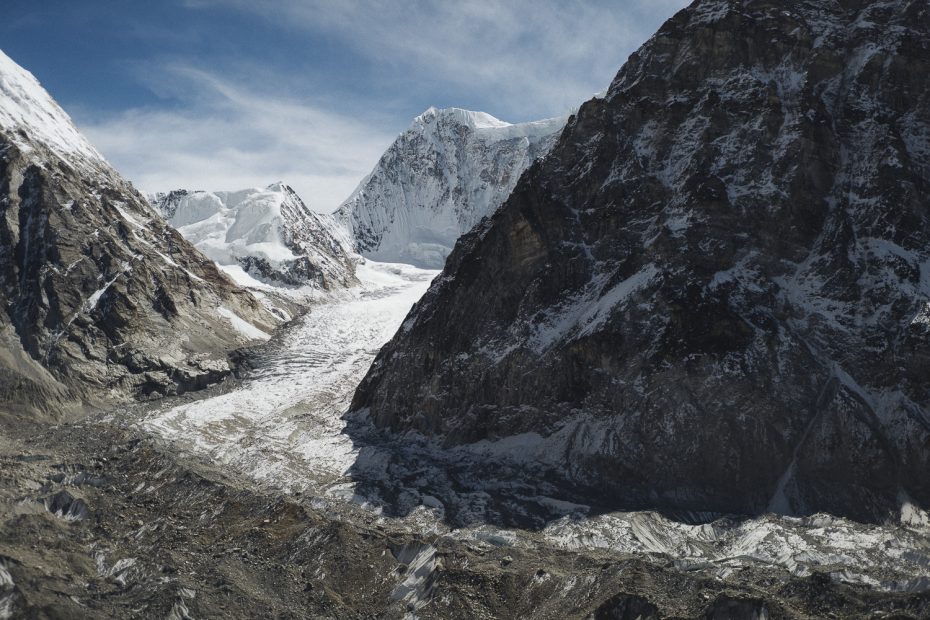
x=489 y=126
x=25 y=105
x=262 y=236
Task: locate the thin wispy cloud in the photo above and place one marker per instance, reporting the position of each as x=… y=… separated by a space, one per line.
x=532 y=57
x=228 y=136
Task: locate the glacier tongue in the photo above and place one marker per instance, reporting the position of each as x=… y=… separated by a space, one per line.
x=449 y=169
x=284 y=423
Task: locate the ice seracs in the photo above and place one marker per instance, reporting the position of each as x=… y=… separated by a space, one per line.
x=449 y=169
x=263 y=234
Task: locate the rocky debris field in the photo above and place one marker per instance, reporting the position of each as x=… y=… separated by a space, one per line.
x=97 y=521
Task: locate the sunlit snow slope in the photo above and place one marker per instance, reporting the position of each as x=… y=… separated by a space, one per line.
x=25 y=104
x=449 y=169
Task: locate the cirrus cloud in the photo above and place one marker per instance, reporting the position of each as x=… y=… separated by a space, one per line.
x=226 y=136
x=346 y=77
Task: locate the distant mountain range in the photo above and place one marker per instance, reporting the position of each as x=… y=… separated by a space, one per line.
x=448 y=170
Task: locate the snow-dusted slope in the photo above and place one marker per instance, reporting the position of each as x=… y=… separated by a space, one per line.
x=25 y=104
x=449 y=169
x=714 y=293
x=268 y=233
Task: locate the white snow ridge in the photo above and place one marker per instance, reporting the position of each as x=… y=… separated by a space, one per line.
x=25 y=105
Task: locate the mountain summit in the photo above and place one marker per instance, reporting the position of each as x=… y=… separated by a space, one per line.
x=449 y=169
x=714 y=293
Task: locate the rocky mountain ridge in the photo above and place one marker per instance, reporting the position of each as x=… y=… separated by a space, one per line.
x=101 y=299
x=449 y=169
x=712 y=294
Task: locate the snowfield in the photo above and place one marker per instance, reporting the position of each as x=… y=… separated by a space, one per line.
x=284 y=428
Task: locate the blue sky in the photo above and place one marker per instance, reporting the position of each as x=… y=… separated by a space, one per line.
x=224 y=94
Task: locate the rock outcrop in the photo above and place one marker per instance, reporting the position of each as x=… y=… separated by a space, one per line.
x=268 y=233
x=449 y=169
x=714 y=293
x=101 y=299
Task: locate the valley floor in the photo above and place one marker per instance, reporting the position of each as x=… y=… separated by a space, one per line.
x=282 y=425
x=257 y=499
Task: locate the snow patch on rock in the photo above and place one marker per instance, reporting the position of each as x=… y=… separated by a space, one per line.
x=242 y=326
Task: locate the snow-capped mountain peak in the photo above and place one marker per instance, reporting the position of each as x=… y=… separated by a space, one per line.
x=489 y=126
x=25 y=105
x=450 y=168
x=266 y=234
x=475 y=120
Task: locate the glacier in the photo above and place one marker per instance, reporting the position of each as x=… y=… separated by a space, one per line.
x=286 y=429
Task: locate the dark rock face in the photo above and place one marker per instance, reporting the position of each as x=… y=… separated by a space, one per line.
x=626 y=607
x=66 y=506
x=714 y=293
x=100 y=298
x=310 y=234
x=729 y=608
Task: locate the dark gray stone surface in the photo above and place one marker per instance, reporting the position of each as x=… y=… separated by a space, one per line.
x=714 y=293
